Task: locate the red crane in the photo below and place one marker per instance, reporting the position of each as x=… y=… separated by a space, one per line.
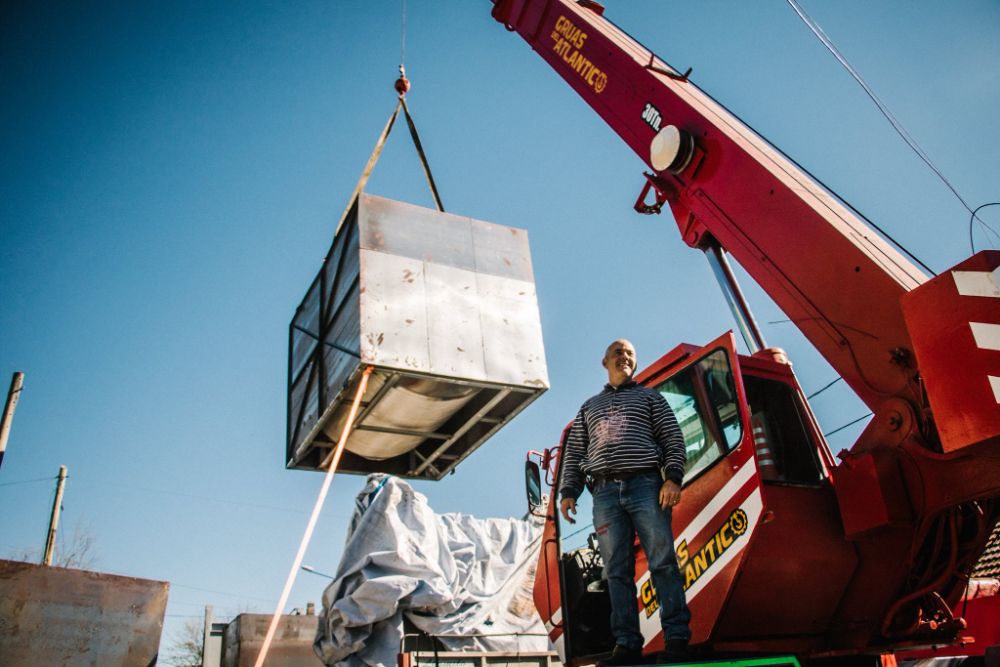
x=783 y=548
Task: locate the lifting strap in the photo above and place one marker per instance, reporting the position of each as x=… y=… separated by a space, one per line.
x=377 y=151
x=332 y=460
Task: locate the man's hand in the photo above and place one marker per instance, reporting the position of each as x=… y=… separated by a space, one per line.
x=568 y=506
x=670 y=494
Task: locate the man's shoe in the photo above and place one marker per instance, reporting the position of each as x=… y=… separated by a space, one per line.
x=622 y=656
x=677 y=646
x=676 y=650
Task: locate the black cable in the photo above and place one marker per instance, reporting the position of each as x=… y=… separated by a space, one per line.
x=820 y=391
x=896 y=125
x=217 y=499
x=577 y=532
x=31 y=481
x=232 y=595
x=852 y=423
x=973 y=218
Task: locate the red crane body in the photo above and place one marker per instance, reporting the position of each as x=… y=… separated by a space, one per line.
x=783 y=548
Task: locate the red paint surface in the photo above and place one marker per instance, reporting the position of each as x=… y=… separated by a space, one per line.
x=953 y=366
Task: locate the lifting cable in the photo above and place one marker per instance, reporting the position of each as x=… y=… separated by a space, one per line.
x=402 y=86
x=900 y=130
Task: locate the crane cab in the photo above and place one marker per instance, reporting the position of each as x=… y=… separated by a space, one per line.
x=757 y=521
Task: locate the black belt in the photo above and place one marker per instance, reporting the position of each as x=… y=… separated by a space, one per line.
x=617 y=477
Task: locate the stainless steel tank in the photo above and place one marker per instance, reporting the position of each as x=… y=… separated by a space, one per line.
x=444 y=308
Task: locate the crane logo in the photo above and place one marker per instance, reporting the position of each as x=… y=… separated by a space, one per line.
x=568 y=40
x=693 y=567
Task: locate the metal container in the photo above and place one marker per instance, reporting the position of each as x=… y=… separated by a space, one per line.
x=59 y=616
x=444 y=308
x=292 y=645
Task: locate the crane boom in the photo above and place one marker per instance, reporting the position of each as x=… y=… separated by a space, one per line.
x=729 y=185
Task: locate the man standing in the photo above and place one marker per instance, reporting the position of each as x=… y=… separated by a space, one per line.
x=627 y=441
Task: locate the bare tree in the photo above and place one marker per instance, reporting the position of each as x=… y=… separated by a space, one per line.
x=187 y=647
x=76 y=551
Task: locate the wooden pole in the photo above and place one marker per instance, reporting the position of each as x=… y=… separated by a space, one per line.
x=16 y=384
x=50 y=542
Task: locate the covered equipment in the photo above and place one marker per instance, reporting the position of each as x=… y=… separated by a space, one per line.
x=463 y=580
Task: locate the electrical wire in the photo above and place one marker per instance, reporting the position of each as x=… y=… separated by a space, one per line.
x=973 y=218
x=233 y=595
x=907 y=138
x=850 y=423
x=31 y=481
x=225 y=501
x=578 y=531
x=820 y=391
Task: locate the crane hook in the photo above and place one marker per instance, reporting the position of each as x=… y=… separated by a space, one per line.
x=402 y=84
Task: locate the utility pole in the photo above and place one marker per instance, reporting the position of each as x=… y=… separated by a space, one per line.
x=50 y=542
x=16 y=384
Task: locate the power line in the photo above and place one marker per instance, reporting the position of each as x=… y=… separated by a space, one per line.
x=973 y=218
x=851 y=423
x=28 y=481
x=216 y=499
x=209 y=590
x=578 y=531
x=900 y=130
x=821 y=390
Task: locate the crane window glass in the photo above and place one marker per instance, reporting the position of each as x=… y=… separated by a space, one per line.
x=703 y=398
x=785 y=451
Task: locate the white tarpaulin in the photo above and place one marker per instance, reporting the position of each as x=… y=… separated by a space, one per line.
x=454 y=576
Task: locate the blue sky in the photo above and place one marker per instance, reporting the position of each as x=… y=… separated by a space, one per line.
x=171 y=175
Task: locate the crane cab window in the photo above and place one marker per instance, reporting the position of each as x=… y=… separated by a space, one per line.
x=703 y=398
x=785 y=451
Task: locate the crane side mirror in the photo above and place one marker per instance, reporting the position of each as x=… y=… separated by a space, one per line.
x=533 y=485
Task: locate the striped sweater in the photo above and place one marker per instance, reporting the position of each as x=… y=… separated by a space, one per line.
x=622 y=429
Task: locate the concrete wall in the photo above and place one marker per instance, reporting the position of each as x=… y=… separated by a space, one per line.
x=60 y=617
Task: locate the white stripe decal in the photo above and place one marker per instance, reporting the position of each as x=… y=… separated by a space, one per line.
x=560 y=643
x=651 y=626
x=721 y=499
x=978 y=283
x=752 y=507
x=995 y=385
x=987 y=335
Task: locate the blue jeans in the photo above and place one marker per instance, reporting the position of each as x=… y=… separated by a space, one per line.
x=622 y=509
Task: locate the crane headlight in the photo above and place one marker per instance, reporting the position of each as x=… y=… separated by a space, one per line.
x=671 y=150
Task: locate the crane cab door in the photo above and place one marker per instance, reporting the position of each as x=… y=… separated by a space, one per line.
x=721 y=505
x=716 y=519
